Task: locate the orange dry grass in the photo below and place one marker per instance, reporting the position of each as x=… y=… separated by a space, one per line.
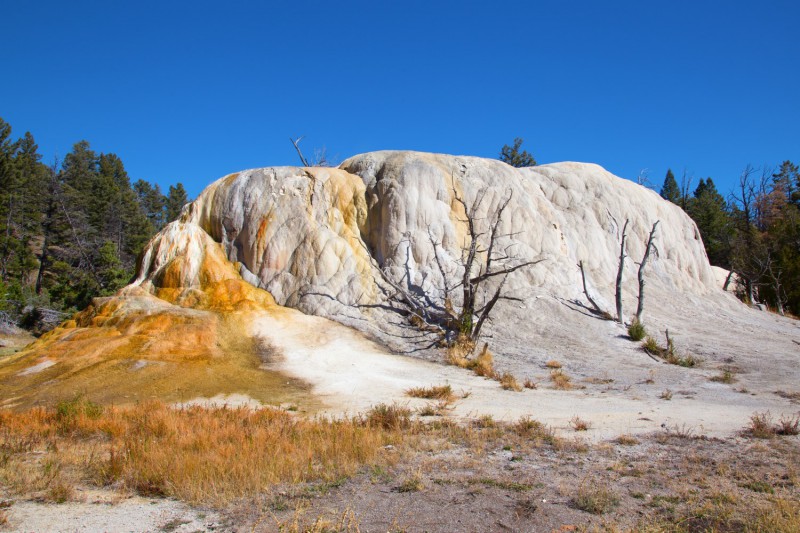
x=198 y=455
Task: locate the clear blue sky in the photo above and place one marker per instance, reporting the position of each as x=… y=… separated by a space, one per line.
x=190 y=91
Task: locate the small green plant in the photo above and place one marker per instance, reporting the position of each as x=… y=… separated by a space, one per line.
x=636 y=331
x=595 y=499
x=650 y=345
x=726 y=376
x=69 y=410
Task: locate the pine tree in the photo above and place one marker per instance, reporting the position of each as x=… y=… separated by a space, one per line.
x=515 y=158
x=670 y=190
x=710 y=212
x=176 y=199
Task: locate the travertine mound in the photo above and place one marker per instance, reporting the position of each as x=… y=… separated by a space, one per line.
x=315 y=238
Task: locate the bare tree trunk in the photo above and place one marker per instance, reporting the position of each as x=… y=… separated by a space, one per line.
x=586 y=292
x=619 y=271
x=728 y=279
x=640 y=306
x=296 y=147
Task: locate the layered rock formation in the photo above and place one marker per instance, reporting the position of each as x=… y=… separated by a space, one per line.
x=314 y=238
x=322 y=239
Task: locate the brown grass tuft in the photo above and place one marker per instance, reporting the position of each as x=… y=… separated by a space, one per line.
x=509 y=382
x=438 y=392
x=578 y=424
x=529 y=384
x=561 y=381
x=627 y=440
x=553 y=364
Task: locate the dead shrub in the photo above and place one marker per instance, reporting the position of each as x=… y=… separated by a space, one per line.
x=788 y=425
x=561 y=381
x=578 y=424
x=553 y=364
x=529 y=384
x=509 y=382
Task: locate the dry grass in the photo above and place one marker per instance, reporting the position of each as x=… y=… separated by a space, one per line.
x=438 y=392
x=627 y=440
x=578 y=424
x=195 y=454
x=595 y=498
x=553 y=364
x=561 y=381
x=529 y=384
x=509 y=382
x=666 y=395
x=458 y=354
x=484 y=364
x=761 y=426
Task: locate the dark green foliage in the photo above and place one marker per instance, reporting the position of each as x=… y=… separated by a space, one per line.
x=515 y=158
x=71 y=232
x=636 y=331
x=710 y=212
x=670 y=190
x=176 y=199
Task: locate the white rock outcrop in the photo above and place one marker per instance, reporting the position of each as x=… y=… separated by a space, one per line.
x=315 y=237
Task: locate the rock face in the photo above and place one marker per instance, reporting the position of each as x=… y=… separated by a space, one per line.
x=315 y=238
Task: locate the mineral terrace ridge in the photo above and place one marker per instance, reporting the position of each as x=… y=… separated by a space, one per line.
x=285 y=263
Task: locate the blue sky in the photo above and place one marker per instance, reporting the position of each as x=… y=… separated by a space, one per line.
x=190 y=91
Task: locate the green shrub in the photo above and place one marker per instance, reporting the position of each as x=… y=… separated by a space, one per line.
x=636 y=331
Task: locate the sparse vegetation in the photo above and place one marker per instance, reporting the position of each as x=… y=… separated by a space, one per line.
x=595 y=498
x=553 y=364
x=726 y=376
x=636 y=331
x=561 y=381
x=666 y=395
x=438 y=392
x=509 y=382
x=762 y=426
x=578 y=424
x=627 y=440
x=668 y=353
x=389 y=416
x=412 y=483
x=529 y=384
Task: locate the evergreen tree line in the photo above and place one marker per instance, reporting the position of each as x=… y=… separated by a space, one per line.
x=70 y=231
x=754 y=232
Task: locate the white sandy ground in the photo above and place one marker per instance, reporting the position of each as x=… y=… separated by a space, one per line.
x=350 y=374
x=107 y=511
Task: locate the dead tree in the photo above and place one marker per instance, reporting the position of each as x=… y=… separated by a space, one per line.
x=484 y=260
x=650 y=246
x=620 y=269
x=596 y=307
x=296 y=144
